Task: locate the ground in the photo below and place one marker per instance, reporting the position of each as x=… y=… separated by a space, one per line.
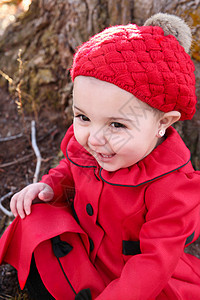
x=18 y=162
x=17 y=167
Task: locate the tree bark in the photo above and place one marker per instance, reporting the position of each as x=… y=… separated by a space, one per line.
x=190 y=12
x=51 y=30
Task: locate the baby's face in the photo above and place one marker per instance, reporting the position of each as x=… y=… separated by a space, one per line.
x=114 y=126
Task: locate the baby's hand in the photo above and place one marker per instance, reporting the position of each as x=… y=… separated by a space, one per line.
x=21 y=202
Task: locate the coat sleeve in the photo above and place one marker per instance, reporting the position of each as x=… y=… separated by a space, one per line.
x=60 y=179
x=173 y=214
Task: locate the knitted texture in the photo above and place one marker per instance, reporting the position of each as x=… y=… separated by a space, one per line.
x=141 y=60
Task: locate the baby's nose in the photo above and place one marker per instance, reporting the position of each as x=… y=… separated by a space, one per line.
x=97 y=137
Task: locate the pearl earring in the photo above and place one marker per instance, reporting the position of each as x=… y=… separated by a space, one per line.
x=161 y=132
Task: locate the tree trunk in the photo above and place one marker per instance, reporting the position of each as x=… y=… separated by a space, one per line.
x=50 y=31
x=190 y=12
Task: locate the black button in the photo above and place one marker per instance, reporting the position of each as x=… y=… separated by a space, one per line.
x=91 y=244
x=89 y=209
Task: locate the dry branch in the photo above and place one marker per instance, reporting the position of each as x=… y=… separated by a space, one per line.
x=2 y=208
x=10 y=138
x=37 y=152
x=17 y=161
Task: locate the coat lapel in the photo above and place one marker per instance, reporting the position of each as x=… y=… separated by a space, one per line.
x=168 y=157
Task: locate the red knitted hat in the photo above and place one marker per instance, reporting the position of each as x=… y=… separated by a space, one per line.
x=144 y=61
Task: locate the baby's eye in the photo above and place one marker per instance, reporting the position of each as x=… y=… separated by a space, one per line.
x=82 y=117
x=117 y=125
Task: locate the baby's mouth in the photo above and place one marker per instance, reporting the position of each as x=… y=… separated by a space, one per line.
x=101 y=157
x=106 y=155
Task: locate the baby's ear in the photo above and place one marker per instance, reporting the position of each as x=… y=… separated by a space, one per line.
x=169 y=118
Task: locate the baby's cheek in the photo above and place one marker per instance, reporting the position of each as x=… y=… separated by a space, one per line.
x=80 y=136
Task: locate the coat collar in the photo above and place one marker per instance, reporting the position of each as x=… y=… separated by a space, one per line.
x=75 y=153
x=168 y=157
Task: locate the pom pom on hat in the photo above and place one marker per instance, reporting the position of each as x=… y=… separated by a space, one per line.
x=148 y=61
x=172 y=25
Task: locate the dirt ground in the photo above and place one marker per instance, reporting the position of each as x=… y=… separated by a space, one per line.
x=17 y=167
x=17 y=158
x=18 y=162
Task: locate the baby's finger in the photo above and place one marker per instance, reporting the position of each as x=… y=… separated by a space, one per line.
x=46 y=194
x=20 y=207
x=13 y=202
x=28 y=199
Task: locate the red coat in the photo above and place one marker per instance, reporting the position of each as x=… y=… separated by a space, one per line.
x=132 y=225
